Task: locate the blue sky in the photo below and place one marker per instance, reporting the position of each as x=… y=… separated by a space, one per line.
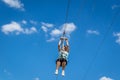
x=30 y=31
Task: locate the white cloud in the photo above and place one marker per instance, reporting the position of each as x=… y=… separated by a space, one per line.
x=30 y=31
x=118 y=37
x=51 y=39
x=37 y=78
x=115 y=6
x=16 y=28
x=68 y=27
x=33 y=22
x=14 y=3
x=47 y=24
x=105 y=78
x=12 y=27
x=93 y=32
x=24 y=21
x=44 y=28
x=56 y=32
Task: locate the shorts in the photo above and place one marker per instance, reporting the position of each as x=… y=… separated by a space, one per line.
x=61 y=60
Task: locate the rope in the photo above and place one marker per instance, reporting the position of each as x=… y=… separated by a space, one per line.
x=101 y=44
x=66 y=17
x=65 y=26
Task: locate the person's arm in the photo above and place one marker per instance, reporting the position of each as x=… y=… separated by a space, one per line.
x=58 y=47
x=67 y=44
x=60 y=42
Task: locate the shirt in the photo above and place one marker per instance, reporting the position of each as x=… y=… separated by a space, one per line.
x=63 y=54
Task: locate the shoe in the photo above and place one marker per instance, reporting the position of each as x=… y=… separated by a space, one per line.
x=63 y=73
x=56 y=72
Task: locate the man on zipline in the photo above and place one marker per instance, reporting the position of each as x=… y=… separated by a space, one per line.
x=63 y=55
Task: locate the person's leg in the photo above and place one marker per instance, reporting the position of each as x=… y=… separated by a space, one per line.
x=58 y=63
x=63 y=68
x=63 y=65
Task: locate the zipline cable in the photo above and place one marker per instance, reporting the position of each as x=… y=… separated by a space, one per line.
x=101 y=44
x=66 y=18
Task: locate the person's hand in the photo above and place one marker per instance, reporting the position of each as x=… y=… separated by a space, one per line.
x=61 y=38
x=66 y=39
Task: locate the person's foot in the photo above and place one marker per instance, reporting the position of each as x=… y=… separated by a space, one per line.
x=63 y=73
x=56 y=72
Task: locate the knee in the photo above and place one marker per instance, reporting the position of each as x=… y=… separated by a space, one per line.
x=58 y=63
x=64 y=64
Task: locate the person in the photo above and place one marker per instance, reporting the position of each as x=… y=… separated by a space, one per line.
x=63 y=55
